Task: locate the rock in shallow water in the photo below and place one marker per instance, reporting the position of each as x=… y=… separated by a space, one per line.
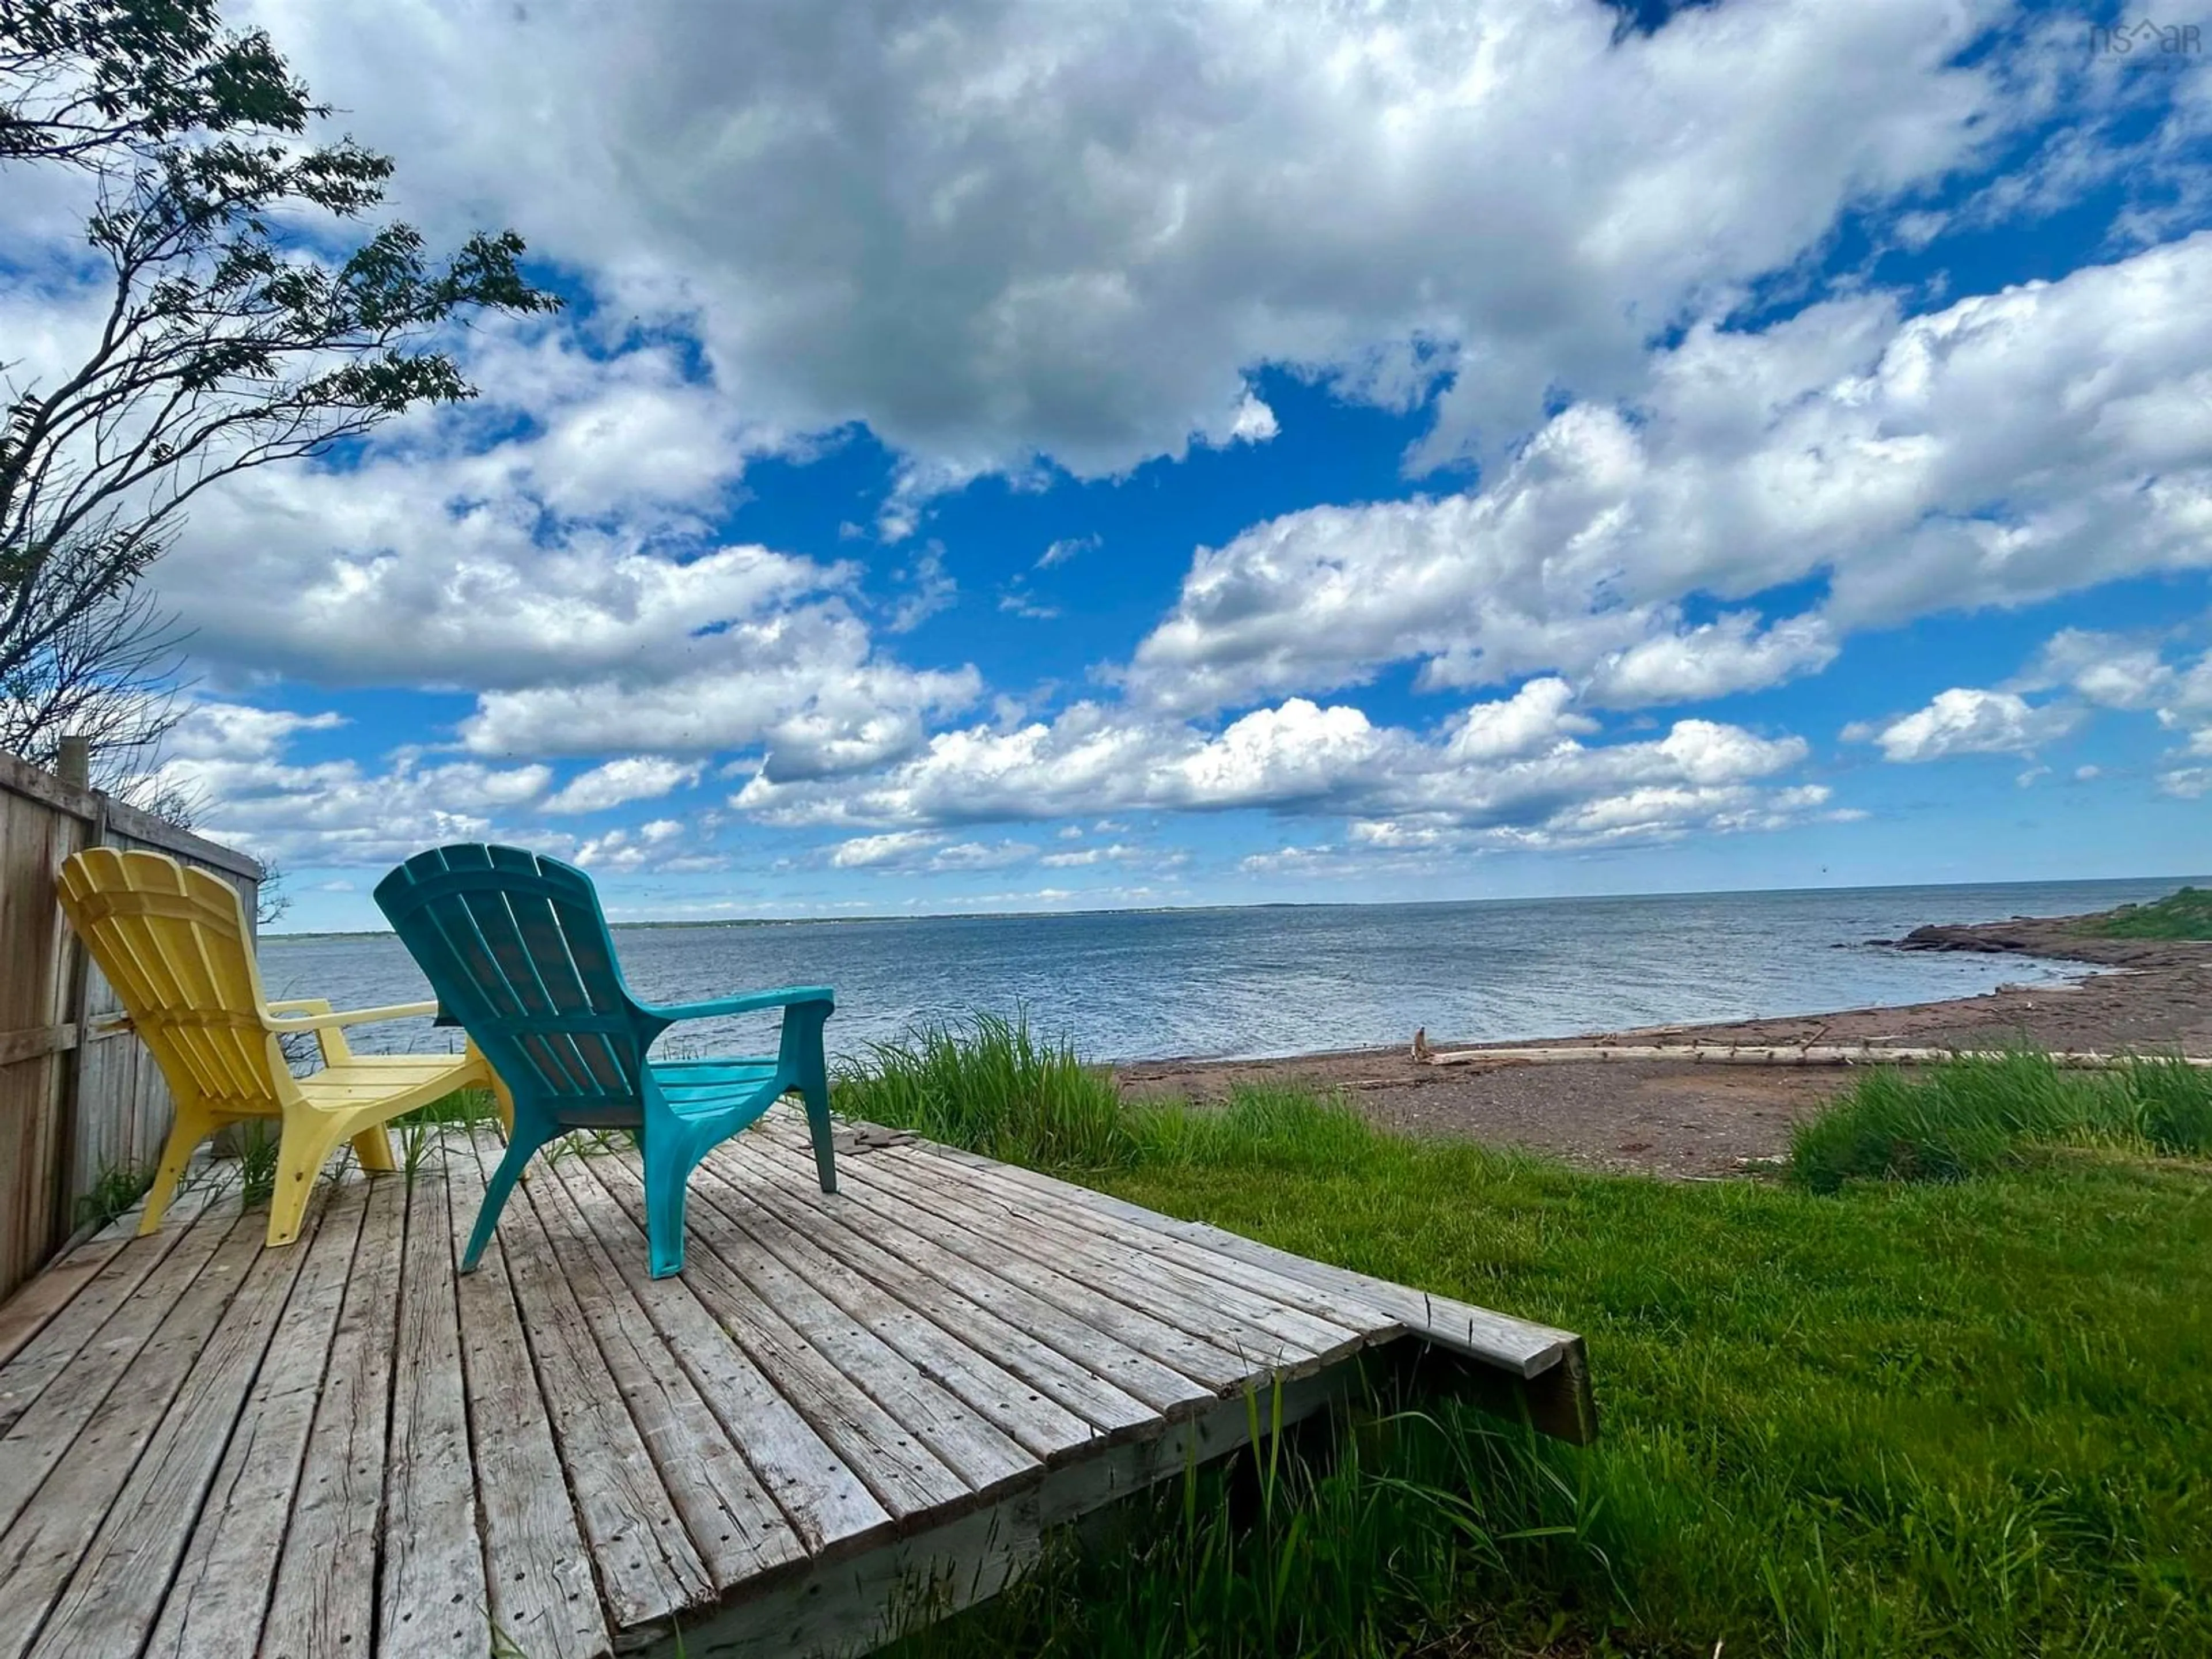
x=1942 y=938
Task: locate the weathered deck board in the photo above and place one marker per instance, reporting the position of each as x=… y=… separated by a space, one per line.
x=1519 y=1344
x=222 y=1590
x=1199 y=1328
x=735 y=1524
x=1171 y=1346
x=432 y=1600
x=52 y=1334
x=313 y=1610
x=1276 y=1329
x=345 y=1448
x=1042 y=1427
x=904 y=1474
x=823 y=1500
x=54 y=1417
x=89 y=1465
x=536 y=1574
x=1545 y=1367
x=26 y=1313
x=1115 y=1386
x=1340 y=1308
x=123 y=1580
x=983 y=1456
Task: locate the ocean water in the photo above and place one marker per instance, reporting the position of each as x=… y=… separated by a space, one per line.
x=1252 y=981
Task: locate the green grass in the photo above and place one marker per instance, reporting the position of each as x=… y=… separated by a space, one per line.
x=1414 y=1519
x=419 y=1134
x=258 y=1145
x=463 y=1109
x=1971 y=1117
x=990 y=1085
x=114 y=1190
x=1967 y=1417
x=588 y=1143
x=416 y=1134
x=2184 y=914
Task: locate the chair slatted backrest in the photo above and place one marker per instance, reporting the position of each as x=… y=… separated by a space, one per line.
x=172 y=940
x=518 y=950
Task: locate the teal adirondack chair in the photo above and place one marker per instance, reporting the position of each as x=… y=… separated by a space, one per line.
x=518 y=950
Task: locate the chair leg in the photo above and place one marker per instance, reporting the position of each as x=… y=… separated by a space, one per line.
x=191 y=1125
x=303 y=1149
x=667 y=1179
x=374 y=1148
x=817 y=1095
x=521 y=1147
x=503 y=1103
x=502 y=1098
x=800 y=1061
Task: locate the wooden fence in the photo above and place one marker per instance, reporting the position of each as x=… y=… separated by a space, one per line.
x=78 y=1096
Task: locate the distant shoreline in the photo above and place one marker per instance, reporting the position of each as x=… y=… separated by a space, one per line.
x=270 y=937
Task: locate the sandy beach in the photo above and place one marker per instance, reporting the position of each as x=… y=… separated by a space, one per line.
x=1700 y=1121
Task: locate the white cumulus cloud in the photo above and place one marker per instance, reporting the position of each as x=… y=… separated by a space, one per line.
x=1966 y=720
x=234 y=757
x=634 y=777
x=994 y=231
x=1515 y=771
x=2008 y=448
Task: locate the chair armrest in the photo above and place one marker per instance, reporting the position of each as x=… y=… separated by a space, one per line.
x=330 y=1042
x=750 y=1002
x=350 y=1017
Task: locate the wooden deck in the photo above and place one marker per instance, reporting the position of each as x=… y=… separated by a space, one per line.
x=344 y=1448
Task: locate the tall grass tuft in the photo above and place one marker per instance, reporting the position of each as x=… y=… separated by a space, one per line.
x=1394 y=1532
x=114 y=1190
x=259 y=1147
x=463 y=1109
x=1968 y=1116
x=1262 y=1127
x=421 y=1132
x=2173 y=1105
x=993 y=1087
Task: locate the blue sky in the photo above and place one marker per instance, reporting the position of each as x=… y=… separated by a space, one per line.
x=1019 y=456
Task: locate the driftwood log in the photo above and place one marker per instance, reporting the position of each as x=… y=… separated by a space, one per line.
x=1771 y=1054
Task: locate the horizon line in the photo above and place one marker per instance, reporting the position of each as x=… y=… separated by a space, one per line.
x=1294 y=904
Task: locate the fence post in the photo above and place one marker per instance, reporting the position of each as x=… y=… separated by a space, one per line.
x=73 y=765
x=77 y=751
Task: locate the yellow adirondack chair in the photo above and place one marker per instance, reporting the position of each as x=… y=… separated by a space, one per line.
x=173 y=941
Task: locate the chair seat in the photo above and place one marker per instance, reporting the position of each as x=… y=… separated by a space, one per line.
x=365 y=1078
x=703 y=1088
